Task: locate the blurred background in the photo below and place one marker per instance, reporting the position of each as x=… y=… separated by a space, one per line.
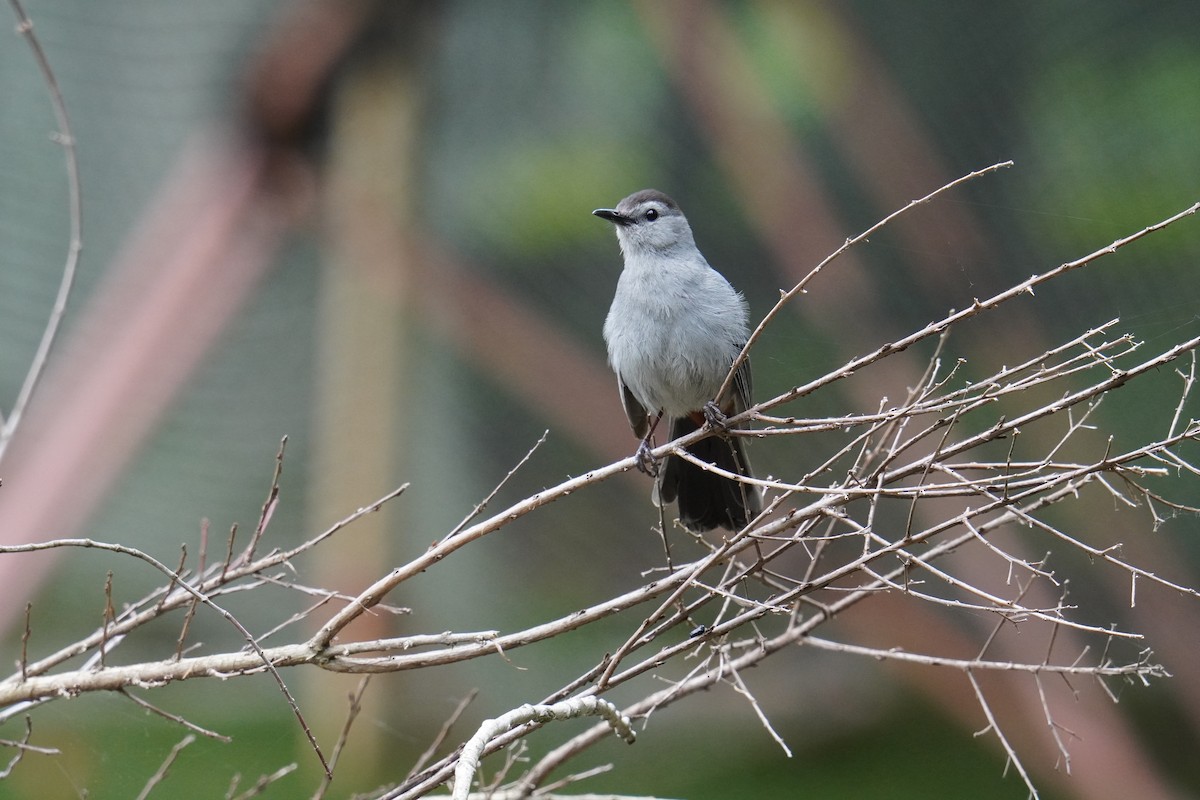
x=366 y=226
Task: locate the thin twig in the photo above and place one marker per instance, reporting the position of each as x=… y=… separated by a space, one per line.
x=268 y=507
x=165 y=570
x=799 y=288
x=355 y=699
x=496 y=490
x=22 y=747
x=66 y=138
x=994 y=727
x=265 y=781
x=161 y=773
x=443 y=732
x=153 y=709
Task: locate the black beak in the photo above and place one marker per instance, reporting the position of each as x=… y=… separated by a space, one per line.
x=612 y=216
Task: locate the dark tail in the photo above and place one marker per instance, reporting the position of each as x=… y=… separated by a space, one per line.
x=708 y=500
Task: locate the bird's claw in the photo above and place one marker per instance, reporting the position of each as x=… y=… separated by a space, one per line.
x=645 y=460
x=714 y=416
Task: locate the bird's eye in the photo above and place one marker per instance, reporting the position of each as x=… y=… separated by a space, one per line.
x=651 y=215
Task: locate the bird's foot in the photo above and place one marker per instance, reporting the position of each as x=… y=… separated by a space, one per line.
x=645 y=460
x=714 y=416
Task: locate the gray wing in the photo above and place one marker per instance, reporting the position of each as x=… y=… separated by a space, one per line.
x=742 y=387
x=639 y=418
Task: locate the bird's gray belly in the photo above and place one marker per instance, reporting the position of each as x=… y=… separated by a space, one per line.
x=675 y=376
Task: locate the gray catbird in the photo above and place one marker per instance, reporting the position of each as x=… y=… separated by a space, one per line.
x=673 y=332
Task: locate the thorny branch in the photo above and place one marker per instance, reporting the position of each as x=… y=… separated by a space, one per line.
x=947 y=468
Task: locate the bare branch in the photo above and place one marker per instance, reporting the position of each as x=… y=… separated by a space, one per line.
x=468 y=761
x=355 y=699
x=22 y=747
x=158 y=776
x=799 y=288
x=66 y=138
x=994 y=727
x=484 y=502
x=952 y=466
x=1139 y=668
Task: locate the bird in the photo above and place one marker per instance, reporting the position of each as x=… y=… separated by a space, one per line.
x=673 y=332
